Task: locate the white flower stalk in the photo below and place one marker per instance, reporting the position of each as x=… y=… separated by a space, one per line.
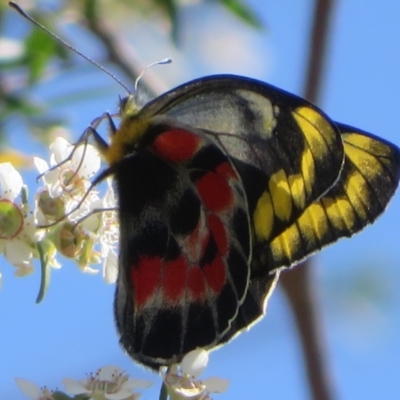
x=17 y=225
x=32 y=391
x=108 y=383
x=181 y=380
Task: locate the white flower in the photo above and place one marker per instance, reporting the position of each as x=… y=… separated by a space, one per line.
x=32 y=391
x=108 y=383
x=181 y=379
x=67 y=181
x=83 y=163
x=17 y=225
x=67 y=199
x=110 y=266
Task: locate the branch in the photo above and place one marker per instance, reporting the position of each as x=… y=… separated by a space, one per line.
x=298 y=283
x=318 y=48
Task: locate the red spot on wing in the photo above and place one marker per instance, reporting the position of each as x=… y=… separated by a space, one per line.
x=196 y=283
x=215 y=192
x=218 y=231
x=215 y=274
x=226 y=170
x=174 y=279
x=145 y=278
x=176 y=145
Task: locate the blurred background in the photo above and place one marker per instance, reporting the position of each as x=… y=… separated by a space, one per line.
x=43 y=86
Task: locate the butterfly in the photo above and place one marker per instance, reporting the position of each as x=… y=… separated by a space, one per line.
x=223 y=182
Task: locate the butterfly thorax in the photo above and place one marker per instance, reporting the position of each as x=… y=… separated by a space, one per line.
x=130 y=131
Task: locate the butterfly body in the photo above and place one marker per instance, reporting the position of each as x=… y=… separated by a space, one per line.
x=221 y=183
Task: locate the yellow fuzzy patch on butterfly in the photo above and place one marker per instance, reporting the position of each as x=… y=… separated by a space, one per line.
x=131 y=129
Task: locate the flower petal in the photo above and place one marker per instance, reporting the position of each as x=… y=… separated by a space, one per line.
x=23 y=269
x=107 y=373
x=215 y=384
x=90 y=163
x=120 y=395
x=195 y=362
x=10 y=181
x=89 y=270
x=18 y=252
x=61 y=149
x=73 y=386
x=135 y=383
x=41 y=165
x=28 y=388
x=110 y=267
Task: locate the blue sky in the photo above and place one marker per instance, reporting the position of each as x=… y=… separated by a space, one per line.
x=72 y=332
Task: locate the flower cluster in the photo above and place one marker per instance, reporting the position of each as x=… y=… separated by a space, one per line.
x=69 y=217
x=107 y=383
x=110 y=383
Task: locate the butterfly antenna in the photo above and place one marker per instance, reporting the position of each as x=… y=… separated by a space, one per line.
x=16 y=7
x=160 y=62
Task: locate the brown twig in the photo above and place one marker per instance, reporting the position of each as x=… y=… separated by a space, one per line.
x=298 y=283
x=317 y=49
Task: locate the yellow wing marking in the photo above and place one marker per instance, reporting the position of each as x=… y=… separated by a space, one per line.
x=369 y=178
x=319 y=135
x=263 y=217
x=285 y=244
x=296 y=184
x=314 y=125
x=340 y=211
x=286 y=195
x=280 y=194
x=308 y=170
